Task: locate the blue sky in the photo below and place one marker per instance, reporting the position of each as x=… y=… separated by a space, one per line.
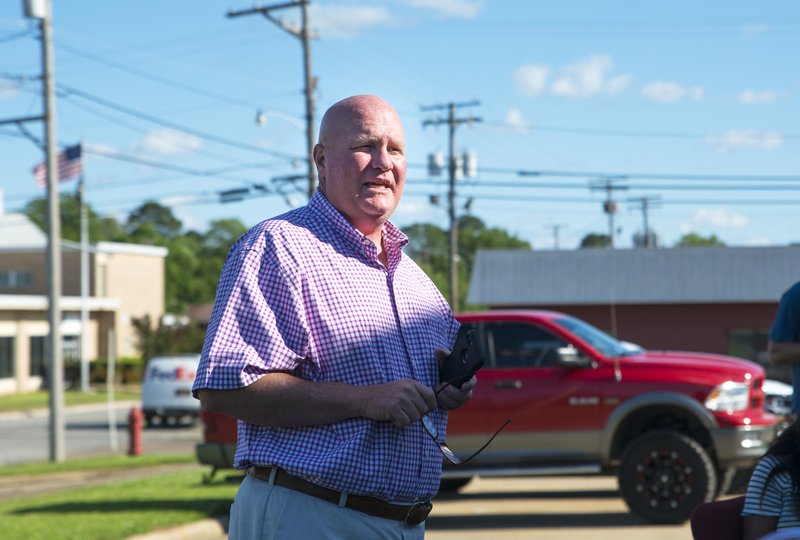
x=693 y=105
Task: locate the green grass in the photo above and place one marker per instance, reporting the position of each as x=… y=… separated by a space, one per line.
x=36 y=400
x=116 y=510
x=102 y=463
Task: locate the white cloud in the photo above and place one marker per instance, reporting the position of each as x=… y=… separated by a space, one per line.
x=462 y=9
x=584 y=78
x=745 y=140
x=168 y=142
x=346 y=21
x=750 y=97
x=753 y=29
x=532 y=78
x=515 y=121
x=669 y=92
x=719 y=218
x=587 y=77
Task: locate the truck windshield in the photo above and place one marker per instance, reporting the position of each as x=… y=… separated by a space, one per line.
x=602 y=342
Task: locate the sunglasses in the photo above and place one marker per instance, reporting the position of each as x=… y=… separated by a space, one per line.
x=447 y=452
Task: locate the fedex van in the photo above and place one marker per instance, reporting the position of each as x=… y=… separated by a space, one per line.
x=167 y=390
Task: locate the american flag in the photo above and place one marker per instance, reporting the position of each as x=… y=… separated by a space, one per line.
x=69 y=166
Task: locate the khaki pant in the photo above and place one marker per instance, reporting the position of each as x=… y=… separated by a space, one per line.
x=261 y=511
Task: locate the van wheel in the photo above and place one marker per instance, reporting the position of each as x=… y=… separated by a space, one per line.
x=664 y=474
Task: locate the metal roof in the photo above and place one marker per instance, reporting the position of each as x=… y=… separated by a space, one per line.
x=18 y=232
x=633 y=276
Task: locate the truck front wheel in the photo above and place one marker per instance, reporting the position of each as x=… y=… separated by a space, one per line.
x=664 y=474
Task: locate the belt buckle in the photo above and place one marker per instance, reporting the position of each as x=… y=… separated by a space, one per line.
x=417 y=513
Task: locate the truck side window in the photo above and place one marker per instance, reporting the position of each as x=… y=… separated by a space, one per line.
x=520 y=345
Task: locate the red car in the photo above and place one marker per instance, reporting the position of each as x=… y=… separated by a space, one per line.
x=673 y=426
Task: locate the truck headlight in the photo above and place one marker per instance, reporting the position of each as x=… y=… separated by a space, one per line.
x=729 y=396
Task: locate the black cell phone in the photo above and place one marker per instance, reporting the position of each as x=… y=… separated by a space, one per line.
x=464 y=361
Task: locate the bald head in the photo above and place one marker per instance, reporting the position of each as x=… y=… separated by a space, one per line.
x=342 y=114
x=361 y=160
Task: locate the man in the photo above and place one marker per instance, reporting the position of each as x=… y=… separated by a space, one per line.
x=783 y=347
x=324 y=342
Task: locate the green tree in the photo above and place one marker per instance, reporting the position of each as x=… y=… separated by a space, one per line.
x=151 y=222
x=194 y=263
x=155 y=340
x=695 y=240
x=595 y=240
x=100 y=228
x=429 y=246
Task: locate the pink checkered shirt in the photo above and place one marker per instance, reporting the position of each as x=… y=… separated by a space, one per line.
x=304 y=292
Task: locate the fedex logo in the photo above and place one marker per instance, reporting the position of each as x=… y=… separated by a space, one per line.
x=177 y=374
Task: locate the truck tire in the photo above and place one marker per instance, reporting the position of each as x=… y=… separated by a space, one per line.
x=664 y=474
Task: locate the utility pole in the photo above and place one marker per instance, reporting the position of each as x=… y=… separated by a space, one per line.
x=56 y=364
x=555 y=229
x=644 y=204
x=303 y=35
x=609 y=205
x=452 y=122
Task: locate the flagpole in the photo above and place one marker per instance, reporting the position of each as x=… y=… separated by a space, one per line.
x=84 y=283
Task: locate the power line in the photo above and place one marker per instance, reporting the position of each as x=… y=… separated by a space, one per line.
x=110 y=154
x=156 y=78
x=69 y=91
x=619 y=133
x=489 y=184
x=630 y=175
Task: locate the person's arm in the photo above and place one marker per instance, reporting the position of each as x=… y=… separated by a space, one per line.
x=782 y=353
x=283 y=400
x=754 y=527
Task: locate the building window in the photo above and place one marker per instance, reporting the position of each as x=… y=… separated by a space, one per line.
x=38 y=346
x=15 y=279
x=6 y=357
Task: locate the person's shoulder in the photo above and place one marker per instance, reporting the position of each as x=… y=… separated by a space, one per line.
x=770 y=461
x=794 y=291
x=274 y=230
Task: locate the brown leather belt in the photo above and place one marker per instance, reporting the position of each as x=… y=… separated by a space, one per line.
x=410 y=515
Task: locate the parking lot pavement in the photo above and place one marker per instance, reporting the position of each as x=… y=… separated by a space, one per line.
x=573 y=508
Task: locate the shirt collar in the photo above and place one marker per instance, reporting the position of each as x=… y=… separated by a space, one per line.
x=393 y=238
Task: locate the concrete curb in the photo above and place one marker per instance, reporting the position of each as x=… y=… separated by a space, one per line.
x=205 y=529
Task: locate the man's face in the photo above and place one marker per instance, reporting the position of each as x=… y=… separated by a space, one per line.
x=361 y=162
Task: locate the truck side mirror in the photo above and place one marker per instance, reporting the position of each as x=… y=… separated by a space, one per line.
x=571 y=357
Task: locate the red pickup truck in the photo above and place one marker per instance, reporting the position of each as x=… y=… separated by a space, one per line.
x=674 y=427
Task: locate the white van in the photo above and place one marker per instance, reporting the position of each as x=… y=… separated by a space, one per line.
x=167 y=389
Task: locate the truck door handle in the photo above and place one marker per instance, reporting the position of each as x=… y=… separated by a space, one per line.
x=508 y=385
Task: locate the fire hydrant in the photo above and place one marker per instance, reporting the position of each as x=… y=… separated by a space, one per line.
x=135 y=422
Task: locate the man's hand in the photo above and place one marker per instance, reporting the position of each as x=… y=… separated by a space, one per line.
x=449 y=396
x=398 y=402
